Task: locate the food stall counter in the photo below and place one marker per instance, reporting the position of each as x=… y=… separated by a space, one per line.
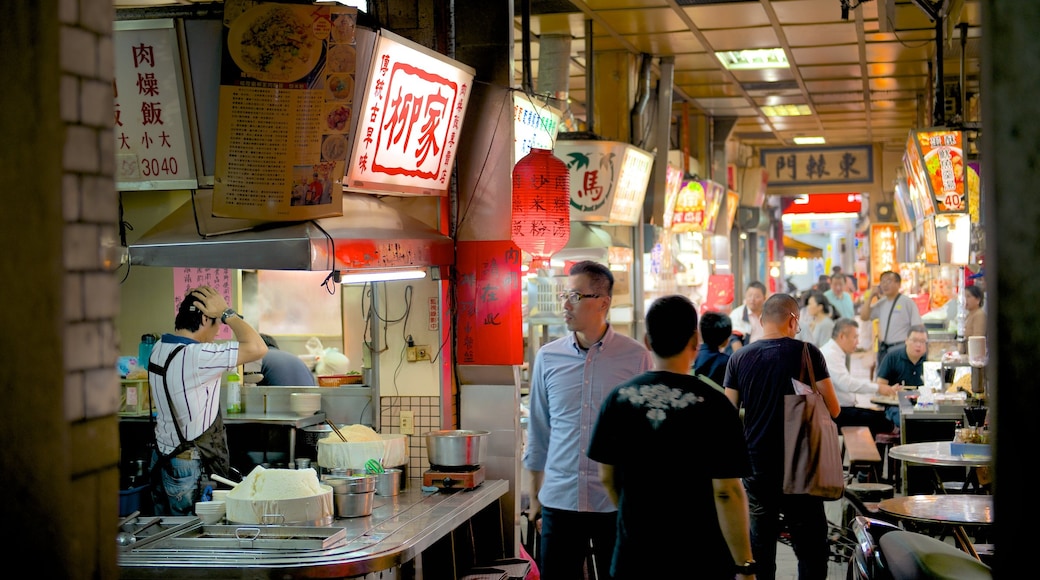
x=398 y=530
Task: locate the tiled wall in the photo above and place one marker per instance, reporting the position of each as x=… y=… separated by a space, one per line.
x=427 y=418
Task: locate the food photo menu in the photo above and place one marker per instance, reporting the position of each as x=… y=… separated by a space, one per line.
x=286 y=96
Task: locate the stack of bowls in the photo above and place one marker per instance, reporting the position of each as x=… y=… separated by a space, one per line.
x=210 y=512
x=352 y=494
x=304 y=404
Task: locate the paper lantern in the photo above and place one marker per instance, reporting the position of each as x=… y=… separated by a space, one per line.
x=541 y=206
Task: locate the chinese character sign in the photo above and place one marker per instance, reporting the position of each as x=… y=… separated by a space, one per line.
x=535 y=124
x=807 y=166
x=184 y=279
x=883 y=239
x=940 y=168
x=608 y=180
x=489 y=304
x=409 y=121
x=152 y=140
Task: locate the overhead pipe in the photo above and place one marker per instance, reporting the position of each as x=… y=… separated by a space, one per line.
x=962 y=109
x=589 y=85
x=638 y=126
x=525 y=45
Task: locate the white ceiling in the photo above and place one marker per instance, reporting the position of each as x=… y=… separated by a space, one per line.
x=865 y=79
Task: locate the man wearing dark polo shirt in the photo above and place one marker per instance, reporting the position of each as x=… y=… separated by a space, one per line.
x=904 y=364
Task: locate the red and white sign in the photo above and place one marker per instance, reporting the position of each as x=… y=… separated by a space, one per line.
x=608 y=180
x=152 y=140
x=409 y=121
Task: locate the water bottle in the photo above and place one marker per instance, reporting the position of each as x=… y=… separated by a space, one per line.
x=234 y=392
x=144 y=350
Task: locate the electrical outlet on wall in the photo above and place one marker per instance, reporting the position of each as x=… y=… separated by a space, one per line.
x=407 y=422
x=411 y=354
x=422 y=353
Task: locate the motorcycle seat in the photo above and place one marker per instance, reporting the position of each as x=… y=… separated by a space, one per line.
x=913 y=555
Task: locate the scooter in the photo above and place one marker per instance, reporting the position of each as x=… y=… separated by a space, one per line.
x=887 y=552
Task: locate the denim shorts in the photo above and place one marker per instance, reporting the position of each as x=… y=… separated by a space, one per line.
x=181 y=481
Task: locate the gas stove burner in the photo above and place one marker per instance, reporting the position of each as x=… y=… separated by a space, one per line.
x=454 y=478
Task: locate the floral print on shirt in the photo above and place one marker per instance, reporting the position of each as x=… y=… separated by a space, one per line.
x=657 y=399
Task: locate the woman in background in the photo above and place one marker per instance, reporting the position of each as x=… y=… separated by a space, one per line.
x=975 y=323
x=818 y=321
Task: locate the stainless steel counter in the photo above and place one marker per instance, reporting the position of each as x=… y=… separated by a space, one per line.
x=398 y=530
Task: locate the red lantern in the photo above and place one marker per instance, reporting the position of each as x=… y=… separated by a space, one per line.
x=541 y=205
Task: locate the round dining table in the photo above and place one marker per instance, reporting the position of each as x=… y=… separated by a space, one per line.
x=939 y=454
x=953 y=510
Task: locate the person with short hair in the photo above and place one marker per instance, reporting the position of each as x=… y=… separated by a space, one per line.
x=817 y=321
x=894 y=312
x=570 y=377
x=283 y=369
x=843 y=342
x=747 y=318
x=639 y=424
x=757 y=379
x=839 y=298
x=904 y=364
x=184 y=372
x=975 y=323
x=715 y=328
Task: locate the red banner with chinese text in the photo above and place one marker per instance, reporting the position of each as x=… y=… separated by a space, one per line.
x=489 y=292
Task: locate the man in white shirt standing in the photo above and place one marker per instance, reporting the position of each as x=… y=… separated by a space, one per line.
x=843 y=342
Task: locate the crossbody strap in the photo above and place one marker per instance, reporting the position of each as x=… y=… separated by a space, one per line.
x=161 y=371
x=888 y=323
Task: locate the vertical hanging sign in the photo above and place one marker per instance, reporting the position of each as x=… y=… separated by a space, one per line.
x=489 y=294
x=151 y=123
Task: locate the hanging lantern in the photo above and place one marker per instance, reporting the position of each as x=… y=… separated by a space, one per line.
x=541 y=205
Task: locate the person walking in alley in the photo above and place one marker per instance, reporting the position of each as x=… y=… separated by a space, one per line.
x=570 y=377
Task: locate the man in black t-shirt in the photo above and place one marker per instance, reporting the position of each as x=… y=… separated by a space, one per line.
x=641 y=425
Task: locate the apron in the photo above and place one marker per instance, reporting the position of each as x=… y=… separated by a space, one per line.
x=210 y=447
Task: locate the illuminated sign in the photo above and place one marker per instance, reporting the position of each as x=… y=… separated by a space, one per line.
x=409 y=121
x=608 y=180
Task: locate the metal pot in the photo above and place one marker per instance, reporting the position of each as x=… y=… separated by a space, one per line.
x=455 y=448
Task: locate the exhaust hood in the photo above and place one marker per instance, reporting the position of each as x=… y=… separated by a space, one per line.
x=369 y=235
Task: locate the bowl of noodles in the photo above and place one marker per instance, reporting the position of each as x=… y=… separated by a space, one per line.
x=274 y=43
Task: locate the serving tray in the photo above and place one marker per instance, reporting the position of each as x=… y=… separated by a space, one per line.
x=246 y=537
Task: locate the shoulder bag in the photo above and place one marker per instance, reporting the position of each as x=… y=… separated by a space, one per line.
x=812 y=454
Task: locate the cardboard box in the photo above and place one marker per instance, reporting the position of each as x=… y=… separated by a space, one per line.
x=134 y=398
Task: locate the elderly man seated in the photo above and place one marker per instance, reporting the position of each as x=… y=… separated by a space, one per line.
x=844 y=339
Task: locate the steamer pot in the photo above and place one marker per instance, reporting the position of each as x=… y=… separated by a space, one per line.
x=456 y=448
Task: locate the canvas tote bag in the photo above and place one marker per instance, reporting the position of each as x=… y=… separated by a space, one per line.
x=812 y=454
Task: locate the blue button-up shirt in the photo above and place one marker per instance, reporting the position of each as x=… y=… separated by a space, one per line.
x=568 y=386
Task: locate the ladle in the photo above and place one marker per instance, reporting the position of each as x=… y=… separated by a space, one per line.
x=223 y=480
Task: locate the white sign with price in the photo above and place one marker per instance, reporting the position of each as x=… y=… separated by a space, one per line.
x=153 y=140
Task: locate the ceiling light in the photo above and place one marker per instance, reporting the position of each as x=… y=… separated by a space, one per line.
x=809 y=140
x=757 y=59
x=381 y=276
x=786 y=110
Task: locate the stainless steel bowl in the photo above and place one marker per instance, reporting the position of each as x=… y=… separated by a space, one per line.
x=350 y=483
x=353 y=505
x=455 y=448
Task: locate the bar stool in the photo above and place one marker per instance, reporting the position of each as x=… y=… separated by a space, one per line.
x=884 y=442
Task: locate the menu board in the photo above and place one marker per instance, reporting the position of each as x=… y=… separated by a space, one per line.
x=697 y=206
x=883 y=240
x=939 y=168
x=286 y=95
x=152 y=138
x=930 y=242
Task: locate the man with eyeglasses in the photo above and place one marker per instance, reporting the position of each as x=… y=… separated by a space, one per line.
x=757 y=378
x=570 y=377
x=904 y=364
